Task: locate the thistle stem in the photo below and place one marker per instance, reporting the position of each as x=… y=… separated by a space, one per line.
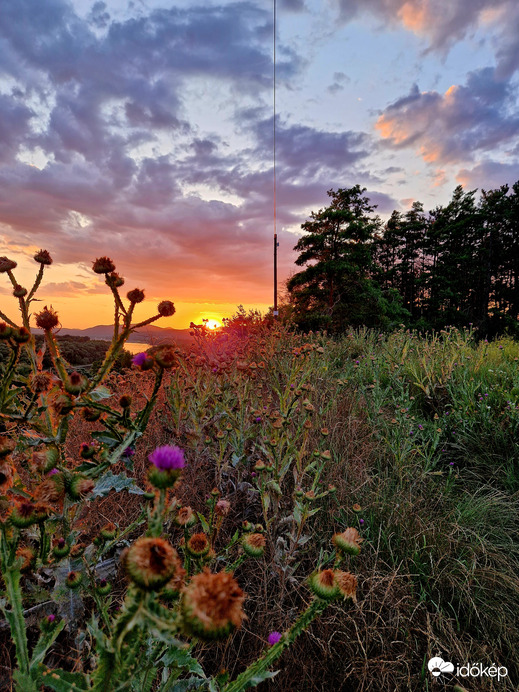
x=243 y=680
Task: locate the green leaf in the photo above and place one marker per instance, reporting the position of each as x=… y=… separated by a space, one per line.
x=182 y=659
x=107 y=438
x=45 y=641
x=115 y=481
x=184 y=685
x=62 y=681
x=99 y=393
x=235 y=459
x=204 y=523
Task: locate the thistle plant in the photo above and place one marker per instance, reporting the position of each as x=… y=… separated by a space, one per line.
x=180 y=570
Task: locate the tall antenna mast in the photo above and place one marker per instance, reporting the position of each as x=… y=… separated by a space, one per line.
x=276 y=313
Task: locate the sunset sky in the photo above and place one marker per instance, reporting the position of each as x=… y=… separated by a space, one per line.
x=142 y=130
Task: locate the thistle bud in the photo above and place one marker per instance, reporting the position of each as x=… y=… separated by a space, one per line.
x=77 y=550
x=19 y=291
x=253 y=544
x=52 y=489
x=6 y=475
x=60 y=548
x=63 y=404
x=91 y=415
x=76 y=383
x=74 y=579
x=5 y=331
x=166 y=308
x=165 y=356
x=87 y=451
x=103 y=587
x=198 y=545
x=125 y=401
x=48 y=623
x=114 y=280
x=108 y=532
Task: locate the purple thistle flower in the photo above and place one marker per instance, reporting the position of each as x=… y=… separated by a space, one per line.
x=273 y=638
x=51 y=617
x=139 y=359
x=128 y=452
x=361 y=521
x=167 y=458
x=52 y=472
x=257 y=419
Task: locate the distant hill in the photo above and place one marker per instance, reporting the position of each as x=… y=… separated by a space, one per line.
x=150 y=334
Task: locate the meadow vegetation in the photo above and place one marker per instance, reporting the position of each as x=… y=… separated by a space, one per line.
x=339 y=510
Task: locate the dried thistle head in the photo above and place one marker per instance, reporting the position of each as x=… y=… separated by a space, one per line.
x=348 y=541
x=6 y=264
x=26 y=557
x=52 y=489
x=150 y=562
x=185 y=517
x=166 y=308
x=40 y=382
x=323 y=584
x=79 y=486
x=6 y=474
x=347 y=584
x=135 y=296
x=22 y=514
x=47 y=319
x=212 y=605
x=43 y=257
x=103 y=265
x=222 y=508
x=7 y=445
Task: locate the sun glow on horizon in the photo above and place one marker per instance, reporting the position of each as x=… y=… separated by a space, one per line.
x=213 y=324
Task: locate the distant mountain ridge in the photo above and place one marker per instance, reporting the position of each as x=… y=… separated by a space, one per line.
x=149 y=334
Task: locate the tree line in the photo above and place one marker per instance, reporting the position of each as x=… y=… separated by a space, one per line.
x=457 y=264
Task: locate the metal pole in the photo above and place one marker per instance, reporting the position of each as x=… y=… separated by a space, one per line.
x=276 y=313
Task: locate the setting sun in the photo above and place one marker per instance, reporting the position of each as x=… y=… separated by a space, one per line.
x=213 y=324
